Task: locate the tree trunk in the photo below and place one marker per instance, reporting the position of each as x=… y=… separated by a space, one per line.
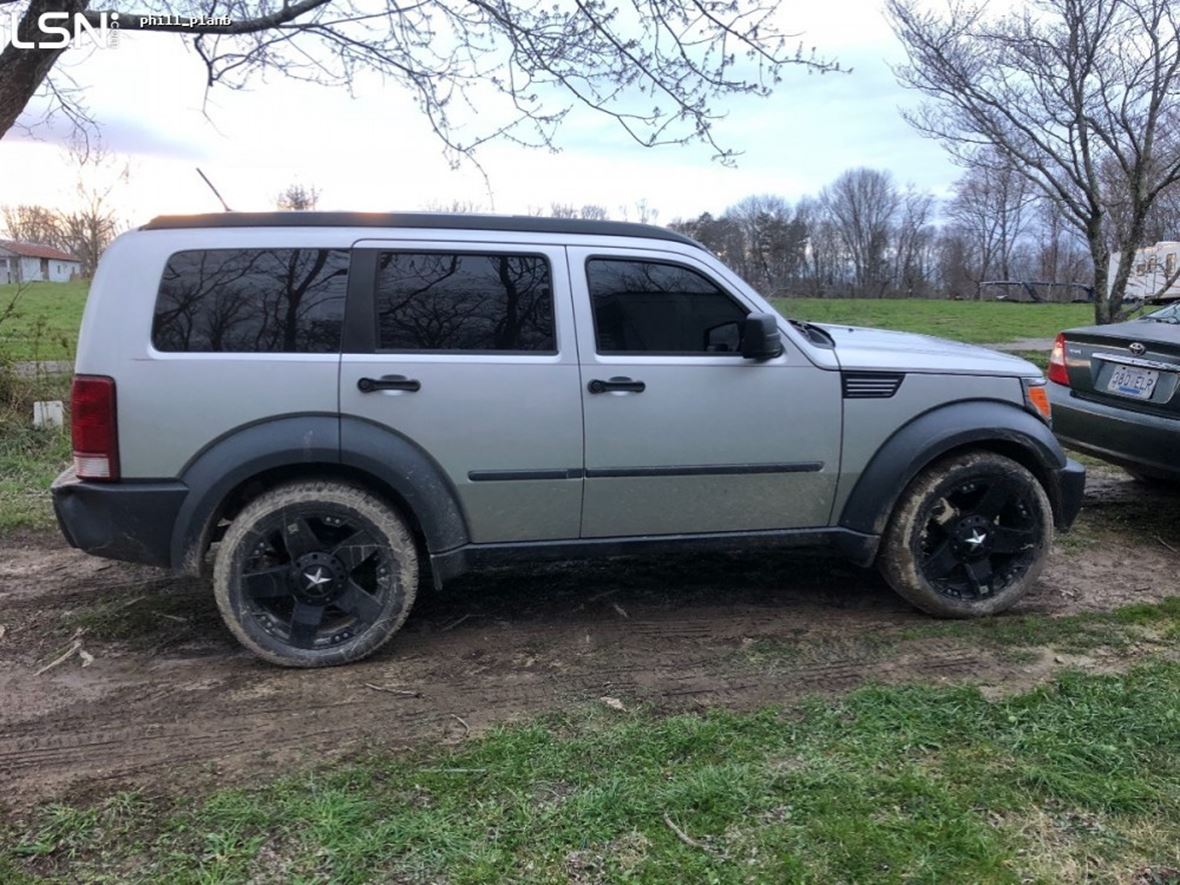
x=1101 y=256
x=22 y=71
x=1122 y=273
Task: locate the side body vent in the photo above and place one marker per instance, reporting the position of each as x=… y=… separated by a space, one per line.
x=871 y=385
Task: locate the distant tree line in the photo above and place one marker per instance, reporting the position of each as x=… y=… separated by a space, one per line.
x=864 y=236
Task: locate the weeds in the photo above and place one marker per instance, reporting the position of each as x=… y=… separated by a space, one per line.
x=29 y=458
x=43 y=321
x=888 y=784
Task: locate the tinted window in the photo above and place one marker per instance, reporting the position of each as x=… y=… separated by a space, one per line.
x=252 y=301
x=649 y=307
x=436 y=301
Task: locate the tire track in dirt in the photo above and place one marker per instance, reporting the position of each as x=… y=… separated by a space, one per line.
x=40 y=754
x=171 y=698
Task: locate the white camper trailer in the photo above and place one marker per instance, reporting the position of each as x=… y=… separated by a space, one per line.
x=1154 y=276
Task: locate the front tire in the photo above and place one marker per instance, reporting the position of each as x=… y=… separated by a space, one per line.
x=314 y=574
x=969 y=537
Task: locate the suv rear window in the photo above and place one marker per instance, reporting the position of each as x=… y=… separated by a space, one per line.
x=464 y=302
x=252 y=301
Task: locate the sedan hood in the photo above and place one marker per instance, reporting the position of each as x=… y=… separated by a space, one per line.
x=881 y=350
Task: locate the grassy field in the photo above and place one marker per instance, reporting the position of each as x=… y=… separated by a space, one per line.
x=1077 y=780
x=29 y=459
x=45 y=325
x=977 y=322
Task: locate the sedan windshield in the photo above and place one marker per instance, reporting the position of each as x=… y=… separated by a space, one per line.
x=1169 y=314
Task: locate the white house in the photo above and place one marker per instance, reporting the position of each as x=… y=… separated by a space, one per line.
x=32 y=262
x=1155 y=267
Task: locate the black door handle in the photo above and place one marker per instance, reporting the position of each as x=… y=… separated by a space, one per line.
x=617 y=383
x=388 y=382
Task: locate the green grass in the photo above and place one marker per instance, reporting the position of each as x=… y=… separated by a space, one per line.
x=1073 y=633
x=29 y=459
x=977 y=322
x=45 y=325
x=1019 y=639
x=1077 y=779
x=1039 y=358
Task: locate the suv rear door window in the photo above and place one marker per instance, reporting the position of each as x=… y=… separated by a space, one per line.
x=650 y=307
x=436 y=301
x=252 y=301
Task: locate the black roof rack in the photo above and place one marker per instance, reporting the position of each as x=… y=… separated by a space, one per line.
x=519 y=223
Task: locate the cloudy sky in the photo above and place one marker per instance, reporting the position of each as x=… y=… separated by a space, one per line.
x=373 y=152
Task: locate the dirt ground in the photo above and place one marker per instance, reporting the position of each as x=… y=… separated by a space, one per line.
x=169 y=699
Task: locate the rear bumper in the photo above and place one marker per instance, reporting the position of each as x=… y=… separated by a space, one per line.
x=131 y=521
x=1150 y=443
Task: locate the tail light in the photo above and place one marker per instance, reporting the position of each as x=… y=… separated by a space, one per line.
x=1057 y=370
x=93 y=427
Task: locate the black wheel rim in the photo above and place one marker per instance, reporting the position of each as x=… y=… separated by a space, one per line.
x=316 y=577
x=980 y=537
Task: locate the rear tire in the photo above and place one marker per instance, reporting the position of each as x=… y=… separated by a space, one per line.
x=969 y=537
x=314 y=574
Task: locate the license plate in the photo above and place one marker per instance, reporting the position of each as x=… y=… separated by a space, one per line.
x=1133 y=382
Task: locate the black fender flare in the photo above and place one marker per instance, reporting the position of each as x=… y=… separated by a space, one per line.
x=932 y=434
x=412 y=473
x=313 y=439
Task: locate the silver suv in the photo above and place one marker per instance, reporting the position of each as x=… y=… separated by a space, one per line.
x=347 y=407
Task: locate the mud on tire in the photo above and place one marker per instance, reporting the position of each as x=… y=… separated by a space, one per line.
x=313 y=574
x=969 y=536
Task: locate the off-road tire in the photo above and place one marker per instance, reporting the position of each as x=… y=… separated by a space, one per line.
x=396 y=584
x=907 y=537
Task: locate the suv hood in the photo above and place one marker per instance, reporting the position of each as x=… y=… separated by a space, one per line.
x=881 y=350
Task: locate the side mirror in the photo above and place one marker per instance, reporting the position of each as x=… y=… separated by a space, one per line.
x=760 y=337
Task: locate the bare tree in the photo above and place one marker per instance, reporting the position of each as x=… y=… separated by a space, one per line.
x=10 y=301
x=863 y=204
x=655 y=68
x=1163 y=221
x=642 y=210
x=298 y=198
x=89 y=227
x=773 y=240
x=33 y=224
x=822 y=252
x=990 y=208
x=721 y=236
x=588 y=212
x=455 y=207
x=1066 y=91
x=912 y=241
